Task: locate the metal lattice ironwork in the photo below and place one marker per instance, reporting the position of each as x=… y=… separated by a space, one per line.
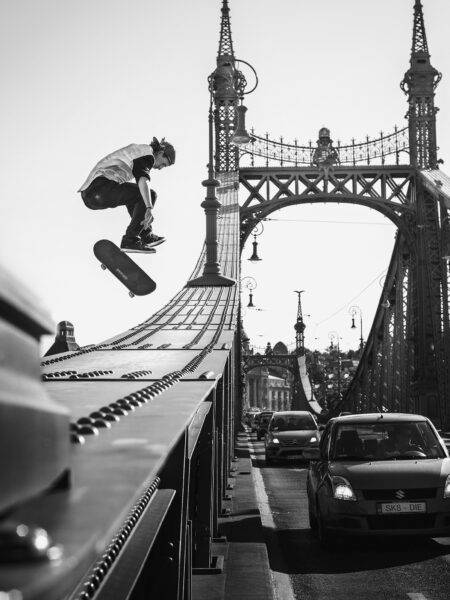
x=226 y=42
x=226 y=157
x=369 y=152
x=405 y=362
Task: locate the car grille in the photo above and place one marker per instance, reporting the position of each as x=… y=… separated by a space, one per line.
x=409 y=494
x=293 y=442
x=401 y=521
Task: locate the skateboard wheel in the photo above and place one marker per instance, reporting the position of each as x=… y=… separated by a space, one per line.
x=103 y=267
x=131 y=294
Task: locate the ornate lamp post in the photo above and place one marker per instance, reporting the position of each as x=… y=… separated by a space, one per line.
x=354 y=311
x=241 y=137
x=250 y=284
x=257 y=230
x=212 y=275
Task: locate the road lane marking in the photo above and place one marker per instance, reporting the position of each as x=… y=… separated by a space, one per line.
x=416 y=596
x=282 y=583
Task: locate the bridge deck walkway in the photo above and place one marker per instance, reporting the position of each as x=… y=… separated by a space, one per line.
x=246 y=572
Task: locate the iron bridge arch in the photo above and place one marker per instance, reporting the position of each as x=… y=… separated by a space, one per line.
x=387 y=190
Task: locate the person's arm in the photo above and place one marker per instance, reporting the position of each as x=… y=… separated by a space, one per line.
x=141 y=172
x=143 y=185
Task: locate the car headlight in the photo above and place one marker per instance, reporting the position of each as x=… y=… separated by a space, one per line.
x=342 y=490
x=313 y=440
x=447 y=488
x=275 y=441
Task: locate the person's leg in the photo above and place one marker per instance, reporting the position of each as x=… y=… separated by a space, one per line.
x=147 y=236
x=128 y=194
x=103 y=193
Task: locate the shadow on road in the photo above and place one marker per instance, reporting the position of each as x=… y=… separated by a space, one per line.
x=301 y=553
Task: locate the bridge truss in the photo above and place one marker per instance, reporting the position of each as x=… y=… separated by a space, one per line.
x=132 y=504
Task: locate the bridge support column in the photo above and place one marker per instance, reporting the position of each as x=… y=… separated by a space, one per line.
x=211 y=272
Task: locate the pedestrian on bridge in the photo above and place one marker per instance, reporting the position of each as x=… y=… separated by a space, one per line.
x=109 y=184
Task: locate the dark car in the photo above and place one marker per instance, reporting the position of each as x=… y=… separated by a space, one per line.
x=289 y=434
x=379 y=474
x=263 y=423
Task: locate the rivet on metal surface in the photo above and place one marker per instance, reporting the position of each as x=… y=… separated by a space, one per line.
x=88 y=430
x=207 y=375
x=76 y=438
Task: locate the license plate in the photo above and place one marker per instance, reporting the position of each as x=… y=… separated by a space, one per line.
x=394 y=508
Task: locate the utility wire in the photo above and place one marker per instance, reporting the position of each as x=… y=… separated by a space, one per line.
x=331 y=222
x=353 y=299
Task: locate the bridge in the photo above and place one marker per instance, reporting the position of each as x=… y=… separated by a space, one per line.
x=129 y=502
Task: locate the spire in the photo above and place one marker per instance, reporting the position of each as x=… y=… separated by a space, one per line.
x=299 y=327
x=226 y=43
x=419 y=44
x=419 y=84
x=226 y=84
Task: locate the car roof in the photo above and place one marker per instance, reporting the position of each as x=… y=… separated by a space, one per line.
x=371 y=417
x=291 y=413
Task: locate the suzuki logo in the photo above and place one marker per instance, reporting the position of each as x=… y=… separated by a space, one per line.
x=400 y=494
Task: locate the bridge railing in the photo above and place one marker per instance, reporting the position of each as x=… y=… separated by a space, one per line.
x=370 y=151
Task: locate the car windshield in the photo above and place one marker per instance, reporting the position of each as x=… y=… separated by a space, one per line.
x=385 y=441
x=297 y=423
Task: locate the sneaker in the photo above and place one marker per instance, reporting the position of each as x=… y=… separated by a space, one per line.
x=150 y=239
x=135 y=245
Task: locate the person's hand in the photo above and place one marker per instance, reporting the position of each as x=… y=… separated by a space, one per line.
x=148 y=218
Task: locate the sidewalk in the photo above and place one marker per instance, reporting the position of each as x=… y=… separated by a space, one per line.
x=241 y=549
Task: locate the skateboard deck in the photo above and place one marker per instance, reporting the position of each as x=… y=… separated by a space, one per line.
x=124 y=268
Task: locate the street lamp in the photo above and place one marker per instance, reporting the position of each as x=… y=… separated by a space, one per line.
x=354 y=311
x=212 y=275
x=241 y=137
x=257 y=230
x=250 y=284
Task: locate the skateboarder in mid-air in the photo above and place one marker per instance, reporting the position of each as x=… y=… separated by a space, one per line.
x=109 y=185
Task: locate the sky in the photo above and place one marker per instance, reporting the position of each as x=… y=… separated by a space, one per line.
x=81 y=79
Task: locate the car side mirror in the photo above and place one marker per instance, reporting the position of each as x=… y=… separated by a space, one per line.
x=321 y=428
x=311 y=453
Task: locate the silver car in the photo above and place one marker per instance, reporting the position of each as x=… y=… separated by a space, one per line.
x=289 y=434
x=379 y=474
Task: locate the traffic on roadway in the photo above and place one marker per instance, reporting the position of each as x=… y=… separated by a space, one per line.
x=363 y=512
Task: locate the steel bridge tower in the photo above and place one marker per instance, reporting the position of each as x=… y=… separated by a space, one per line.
x=406 y=361
x=419 y=84
x=226 y=86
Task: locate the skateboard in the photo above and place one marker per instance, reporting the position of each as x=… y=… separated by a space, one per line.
x=124 y=268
